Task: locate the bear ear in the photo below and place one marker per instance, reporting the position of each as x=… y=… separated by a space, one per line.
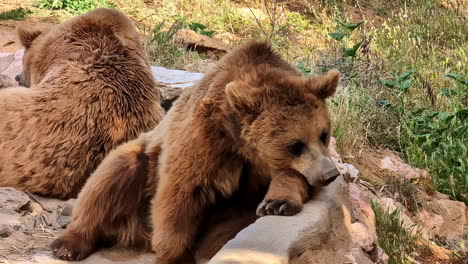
x=324 y=86
x=27 y=33
x=239 y=95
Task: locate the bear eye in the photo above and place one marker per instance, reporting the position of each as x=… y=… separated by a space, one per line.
x=324 y=137
x=296 y=148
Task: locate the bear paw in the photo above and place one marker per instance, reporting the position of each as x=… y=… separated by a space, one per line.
x=279 y=207
x=72 y=247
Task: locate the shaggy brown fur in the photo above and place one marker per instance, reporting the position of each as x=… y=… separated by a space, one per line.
x=91 y=89
x=253 y=123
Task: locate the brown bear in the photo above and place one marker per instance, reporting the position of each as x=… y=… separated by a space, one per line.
x=252 y=129
x=91 y=89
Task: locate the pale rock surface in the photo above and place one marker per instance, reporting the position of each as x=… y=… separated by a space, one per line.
x=327 y=224
x=172 y=82
x=396 y=166
x=15 y=66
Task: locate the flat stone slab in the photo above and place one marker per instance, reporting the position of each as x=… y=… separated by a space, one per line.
x=272 y=239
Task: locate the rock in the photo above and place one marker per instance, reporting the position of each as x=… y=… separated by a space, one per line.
x=172 y=83
x=333 y=151
x=396 y=166
x=347 y=170
x=430 y=222
x=5 y=60
x=322 y=233
x=454 y=218
x=357 y=256
x=105 y=257
x=362 y=209
x=6 y=82
x=363 y=236
x=390 y=205
x=16 y=66
x=378 y=256
x=12 y=200
x=202 y=44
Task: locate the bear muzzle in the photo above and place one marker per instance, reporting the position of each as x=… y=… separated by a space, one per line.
x=321 y=172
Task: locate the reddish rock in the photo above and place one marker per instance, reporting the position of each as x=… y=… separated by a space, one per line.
x=454 y=218
x=202 y=44
x=396 y=166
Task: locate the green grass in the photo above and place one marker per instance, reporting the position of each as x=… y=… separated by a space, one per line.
x=395 y=238
x=15 y=14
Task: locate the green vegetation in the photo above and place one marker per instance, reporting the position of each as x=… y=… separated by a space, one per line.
x=73 y=6
x=395 y=238
x=15 y=14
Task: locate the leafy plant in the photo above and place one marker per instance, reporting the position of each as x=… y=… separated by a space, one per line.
x=457 y=77
x=400 y=83
x=200 y=28
x=438 y=141
x=15 y=14
x=73 y=6
x=351 y=52
x=345 y=31
x=348 y=26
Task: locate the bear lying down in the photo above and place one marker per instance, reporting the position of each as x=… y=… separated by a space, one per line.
x=248 y=140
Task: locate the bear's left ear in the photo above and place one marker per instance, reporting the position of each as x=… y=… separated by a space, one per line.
x=27 y=33
x=324 y=86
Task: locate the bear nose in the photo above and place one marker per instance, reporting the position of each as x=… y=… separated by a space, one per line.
x=17 y=78
x=329 y=171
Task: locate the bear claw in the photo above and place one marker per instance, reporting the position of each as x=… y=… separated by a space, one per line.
x=71 y=247
x=278 y=207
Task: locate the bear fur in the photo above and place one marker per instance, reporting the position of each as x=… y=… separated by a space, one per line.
x=91 y=89
x=236 y=146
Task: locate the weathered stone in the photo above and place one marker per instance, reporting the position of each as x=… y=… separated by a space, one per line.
x=362 y=236
x=454 y=218
x=5 y=60
x=202 y=44
x=396 y=166
x=12 y=200
x=6 y=81
x=104 y=257
x=347 y=170
x=325 y=225
x=16 y=66
x=358 y=256
x=430 y=222
x=361 y=207
x=172 y=83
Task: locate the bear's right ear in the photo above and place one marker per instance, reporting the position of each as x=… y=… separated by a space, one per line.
x=27 y=33
x=240 y=96
x=324 y=86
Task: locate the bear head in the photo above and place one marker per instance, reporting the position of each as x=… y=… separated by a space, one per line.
x=86 y=39
x=283 y=119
